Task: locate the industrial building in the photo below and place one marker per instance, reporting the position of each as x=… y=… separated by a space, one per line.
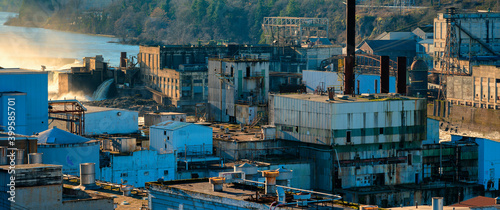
x=27 y=92
x=40 y=186
x=320 y=81
x=471 y=38
x=138 y=167
x=102 y=120
x=237 y=89
x=60 y=147
x=481 y=90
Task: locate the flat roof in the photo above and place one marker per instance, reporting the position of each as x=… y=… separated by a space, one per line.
x=356 y=98
x=92 y=109
x=20 y=71
x=165 y=113
x=28 y=166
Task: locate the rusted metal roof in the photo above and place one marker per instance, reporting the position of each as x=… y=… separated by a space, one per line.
x=479 y=201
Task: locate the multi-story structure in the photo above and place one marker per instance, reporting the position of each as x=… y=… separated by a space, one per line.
x=285 y=62
x=477 y=39
x=369 y=137
x=235 y=82
x=482 y=89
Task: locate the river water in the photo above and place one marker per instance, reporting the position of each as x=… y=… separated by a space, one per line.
x=31 y=48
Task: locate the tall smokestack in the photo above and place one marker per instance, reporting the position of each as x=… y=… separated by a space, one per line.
x=401 y=79
x=123 y=62
x=384 y=74
x=351 y=42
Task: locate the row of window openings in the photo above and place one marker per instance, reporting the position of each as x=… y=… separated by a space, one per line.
x=247 y=73
x=146 y=173
x=484 y=96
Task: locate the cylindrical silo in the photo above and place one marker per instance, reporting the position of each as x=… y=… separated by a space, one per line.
x=19 y=156
x=3 y=156
x=418 y=79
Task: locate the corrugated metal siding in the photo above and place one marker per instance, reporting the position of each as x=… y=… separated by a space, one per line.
x=36 y=87
x=314 y=122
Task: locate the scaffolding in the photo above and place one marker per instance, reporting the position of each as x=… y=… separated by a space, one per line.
x=290 y=31
x=70 y=111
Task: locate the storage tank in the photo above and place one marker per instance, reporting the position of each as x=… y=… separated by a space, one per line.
x=418 y=79
x=437 y=203
x=19 y=156
x=35 y=158
x=87 y=173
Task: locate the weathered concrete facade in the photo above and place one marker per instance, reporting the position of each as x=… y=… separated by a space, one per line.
x=236 y=81
x=477 y=35
x=482 y=89
x=362 y=142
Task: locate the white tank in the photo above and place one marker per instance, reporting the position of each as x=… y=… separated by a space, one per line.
x=437 y=203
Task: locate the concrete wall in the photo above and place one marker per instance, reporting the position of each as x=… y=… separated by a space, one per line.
x=140 y=167
x=69 y=156
x=111 y=122
x=47 y=197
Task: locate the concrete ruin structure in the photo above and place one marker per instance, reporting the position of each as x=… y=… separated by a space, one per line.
x=166 y=70
x=481 y=90
x=476 y=39
x=238 y=89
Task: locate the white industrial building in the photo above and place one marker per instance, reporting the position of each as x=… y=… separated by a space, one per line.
x=181 y=137
x=24 y=92
x=369 y=135
x=233 y=82
x=101 y=120
x=60 y=147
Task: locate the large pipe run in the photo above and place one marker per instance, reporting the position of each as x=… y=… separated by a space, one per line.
x=350 y=47
x=401 y=79
x=384 y=74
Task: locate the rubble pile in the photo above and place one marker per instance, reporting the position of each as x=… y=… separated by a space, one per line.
x=136 y=103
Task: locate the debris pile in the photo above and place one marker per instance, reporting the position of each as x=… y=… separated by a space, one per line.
x=136 y=103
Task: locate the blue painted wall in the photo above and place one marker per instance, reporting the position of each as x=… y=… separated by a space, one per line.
x=70 y=156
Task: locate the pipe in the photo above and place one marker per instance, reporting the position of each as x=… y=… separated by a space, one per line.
x=384 y=74
x=350 y=47
x=401 y=78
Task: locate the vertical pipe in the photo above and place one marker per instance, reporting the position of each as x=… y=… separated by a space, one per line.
x=350 y=47
x=357 y=87
x=384 y=74
x=401 y=78
x=376 y=86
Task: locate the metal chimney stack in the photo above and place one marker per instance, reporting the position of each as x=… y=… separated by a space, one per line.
x=350 y=47
x=123 y=59
x=384 y=74
x=401 y=78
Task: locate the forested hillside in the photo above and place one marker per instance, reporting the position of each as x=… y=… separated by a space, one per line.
x=188 y=21
x=10 y=5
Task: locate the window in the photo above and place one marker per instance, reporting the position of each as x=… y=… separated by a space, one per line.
x=380 y=146
x=123 y=175
x=168 y=137
x=381 y=131
x=409 y=159
x=194 y=176
x=287 y=128
x=348 y=136
x=164 y=133
x=146 y=173
x=248 y=71
x=165 y=172
x=232 y=71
